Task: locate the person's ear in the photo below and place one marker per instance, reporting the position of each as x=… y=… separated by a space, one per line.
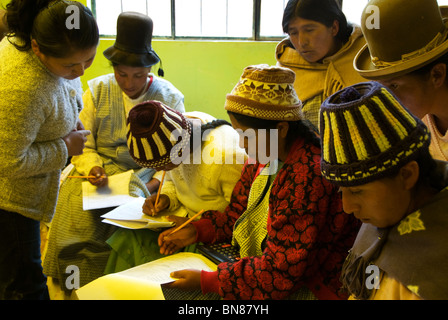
x=283 y=128
x=438 y=75
x=35 y=48
x=335 y=28
x=409 y=174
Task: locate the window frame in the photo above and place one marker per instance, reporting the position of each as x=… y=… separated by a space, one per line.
x=255 y=26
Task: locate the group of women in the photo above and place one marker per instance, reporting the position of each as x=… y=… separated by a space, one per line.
x=293 y=219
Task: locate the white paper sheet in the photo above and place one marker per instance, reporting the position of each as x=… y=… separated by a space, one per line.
x=114 y=194
x=130 y=216
x=142 y=282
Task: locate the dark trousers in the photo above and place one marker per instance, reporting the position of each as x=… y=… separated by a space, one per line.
x=21 y=276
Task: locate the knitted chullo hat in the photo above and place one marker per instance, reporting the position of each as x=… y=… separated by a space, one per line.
x=367 y=134
x=266 y=92
x=152 y=131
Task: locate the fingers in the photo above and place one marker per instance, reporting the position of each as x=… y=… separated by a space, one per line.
x=148 y=206
x=99 y=181
x=101 y=177
x=85 y=133
x=187 y=279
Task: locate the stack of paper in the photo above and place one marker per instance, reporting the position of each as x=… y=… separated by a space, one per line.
x=143 y=282
x=130 y=216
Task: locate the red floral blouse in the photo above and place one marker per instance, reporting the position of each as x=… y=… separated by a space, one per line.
x=308 y=238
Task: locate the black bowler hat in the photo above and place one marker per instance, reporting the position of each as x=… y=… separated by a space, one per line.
x=132 y=45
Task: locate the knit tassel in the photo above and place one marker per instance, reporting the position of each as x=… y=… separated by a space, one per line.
x=160 y=72
x=353 y=276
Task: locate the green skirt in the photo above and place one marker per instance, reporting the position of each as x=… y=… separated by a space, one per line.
x=130 y=248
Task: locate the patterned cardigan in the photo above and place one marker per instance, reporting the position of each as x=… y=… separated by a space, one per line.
x=308 y=237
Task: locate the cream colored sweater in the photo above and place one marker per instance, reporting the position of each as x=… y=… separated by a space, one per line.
x=37 y=109
x=208 y=185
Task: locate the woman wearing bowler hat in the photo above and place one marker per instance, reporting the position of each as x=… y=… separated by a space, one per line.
x=78 y=237
x=408 y=53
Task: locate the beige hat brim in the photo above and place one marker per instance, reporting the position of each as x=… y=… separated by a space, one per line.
x=364 y=66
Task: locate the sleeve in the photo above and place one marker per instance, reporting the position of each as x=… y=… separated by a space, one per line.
x=169 y=189
x=298 y=207
x=215 y=226
x=22 y=116
x=90 y=157
x=179 y=105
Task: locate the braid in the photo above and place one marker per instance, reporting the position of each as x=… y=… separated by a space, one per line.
x=214 y=124
x=306 y=130
x=209 y=126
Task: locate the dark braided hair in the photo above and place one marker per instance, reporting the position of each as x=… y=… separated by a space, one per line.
x=301 y=128
x=209 y=126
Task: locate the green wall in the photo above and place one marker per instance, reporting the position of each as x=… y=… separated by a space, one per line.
x=204 y=71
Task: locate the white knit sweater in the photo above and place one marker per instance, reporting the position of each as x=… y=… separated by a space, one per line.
x=209 y=184
x=37 y=109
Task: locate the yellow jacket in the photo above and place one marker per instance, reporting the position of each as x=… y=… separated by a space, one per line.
x=333 y=74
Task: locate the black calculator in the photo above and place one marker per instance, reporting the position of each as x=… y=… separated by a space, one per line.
x=220 y=252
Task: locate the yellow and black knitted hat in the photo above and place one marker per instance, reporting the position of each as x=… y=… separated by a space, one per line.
x=266 y=92
x=366 y=133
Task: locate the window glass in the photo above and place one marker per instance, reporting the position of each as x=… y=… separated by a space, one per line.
x=214 y=18
x=211 y=18
x=271 y=18
x=106 y=16
x=160 y=13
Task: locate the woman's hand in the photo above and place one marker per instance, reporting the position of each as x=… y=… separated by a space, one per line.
x=170 y=243
x=79 y=125
x=75 y=141
x=151 y=209
x=101 y=177
x=188 y=280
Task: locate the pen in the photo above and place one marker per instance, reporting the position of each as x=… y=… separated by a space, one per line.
x=82 y=177
x=86 y=177
x=186 y=222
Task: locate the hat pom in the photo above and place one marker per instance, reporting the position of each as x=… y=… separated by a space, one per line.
x=349 y=94
x=145 y=118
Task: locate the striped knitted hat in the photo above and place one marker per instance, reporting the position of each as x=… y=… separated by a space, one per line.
x=366 y=133
x=152 y=131
x=266 y=92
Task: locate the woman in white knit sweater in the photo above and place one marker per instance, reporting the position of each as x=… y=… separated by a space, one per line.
x=203 y=178
x=41 y=60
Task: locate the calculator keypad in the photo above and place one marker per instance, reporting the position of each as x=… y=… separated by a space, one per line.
x=220 y=252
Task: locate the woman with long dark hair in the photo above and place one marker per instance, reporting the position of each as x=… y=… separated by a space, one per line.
x=41 y=61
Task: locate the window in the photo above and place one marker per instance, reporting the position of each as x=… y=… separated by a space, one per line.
x=223 y=19
x=211 y=19
x=214 y=18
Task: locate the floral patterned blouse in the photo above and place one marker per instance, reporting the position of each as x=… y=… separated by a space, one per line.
x=308 y=234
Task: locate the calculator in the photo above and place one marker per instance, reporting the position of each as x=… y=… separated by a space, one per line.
x=220 y=252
